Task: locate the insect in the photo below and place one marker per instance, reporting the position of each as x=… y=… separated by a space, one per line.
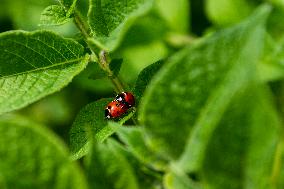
x=119 y=105
x=126 y=98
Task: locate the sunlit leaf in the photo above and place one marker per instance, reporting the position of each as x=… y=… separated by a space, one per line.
x=36 y=64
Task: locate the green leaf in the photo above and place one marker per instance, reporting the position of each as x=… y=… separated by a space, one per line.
x=70 y=6
x=176 y=13
x=53 y=15
x=227 y=12
x=272 y=63
x=109 y=20
x=115 y=66
x=36 y=64
x=144 y=78
x=245 y=139
x=33 y=157
x=218 y=101
x=195 y=87
x=95 y=72
x=107 y=167
x=89 y=124
x=135 y=140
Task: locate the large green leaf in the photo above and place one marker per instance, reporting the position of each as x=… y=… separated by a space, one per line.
x=241 y=151
x=90 y=124
x=32 y=157
x=109 y=20
x=195 y=87
x=107 y=167
x=33 y=65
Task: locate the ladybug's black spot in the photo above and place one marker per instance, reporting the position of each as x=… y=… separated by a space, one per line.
x=107 y=113
x=109 y=107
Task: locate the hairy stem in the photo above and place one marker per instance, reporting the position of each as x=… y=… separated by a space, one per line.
x=102 y=61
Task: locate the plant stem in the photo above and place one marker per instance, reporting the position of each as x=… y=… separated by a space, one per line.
x=81 y=25
x=102 y=61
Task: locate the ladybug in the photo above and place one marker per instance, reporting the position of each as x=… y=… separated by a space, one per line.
x=115 y=109
x=119 y=105
x=126 y=98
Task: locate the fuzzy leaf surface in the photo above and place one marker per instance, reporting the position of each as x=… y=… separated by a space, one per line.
x=109 y=20
x=36 y=64
x=53 y=15
x=33 y=157
x=195 y=87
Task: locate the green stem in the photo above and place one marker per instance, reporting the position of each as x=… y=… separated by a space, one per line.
x=102 y=61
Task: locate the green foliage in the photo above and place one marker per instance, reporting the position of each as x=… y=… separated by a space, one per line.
x=144 y=79
x=226 y=12
x=109 y=20
x=176 y=13
x=53 y=15
x=69 y=5
x=204 y=88
x=42 y=62
x=135 y=140
x=109 y=168
x=32 y=157
x=208 y=110
x=174 y=180
x=253 y=135
x=91 y=124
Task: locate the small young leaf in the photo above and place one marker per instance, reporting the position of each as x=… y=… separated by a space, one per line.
x=32 y=157
x=115 y=66
x=196 y=86
x=53 y=15
x=36 y=64
x=108 y=167
x=69 y=5
x=144 y=78
x=90 y=124
x=109 y=19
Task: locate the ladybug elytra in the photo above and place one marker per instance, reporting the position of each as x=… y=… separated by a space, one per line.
x=126 y=98
x=119 y=105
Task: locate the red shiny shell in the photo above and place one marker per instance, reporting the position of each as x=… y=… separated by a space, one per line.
x=115 y=109
x=126 y=98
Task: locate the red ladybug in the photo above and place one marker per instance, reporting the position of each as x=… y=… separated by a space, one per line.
x=115 y=109
x=126 y=98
